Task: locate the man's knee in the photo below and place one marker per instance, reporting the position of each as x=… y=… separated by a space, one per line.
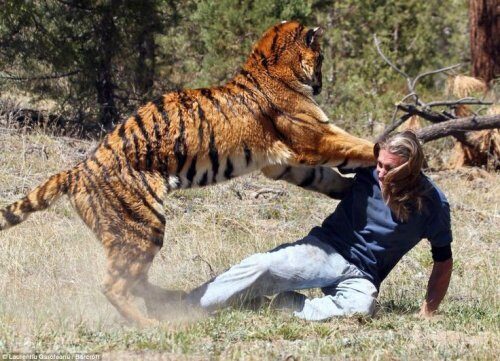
x=357 y=296
x=363 y=306
x=258 y=263
x=337 y=305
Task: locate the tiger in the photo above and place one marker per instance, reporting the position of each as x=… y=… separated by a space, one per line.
x=264 y=118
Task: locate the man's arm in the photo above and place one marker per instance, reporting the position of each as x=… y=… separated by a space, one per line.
x=318 y=179
x=437 y=286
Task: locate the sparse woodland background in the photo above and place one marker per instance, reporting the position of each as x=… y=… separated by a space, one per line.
x=92 y=62
x=71 y=69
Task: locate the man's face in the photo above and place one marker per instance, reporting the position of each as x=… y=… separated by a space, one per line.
x=385 y=162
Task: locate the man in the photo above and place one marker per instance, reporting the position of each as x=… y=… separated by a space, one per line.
x=387 y=211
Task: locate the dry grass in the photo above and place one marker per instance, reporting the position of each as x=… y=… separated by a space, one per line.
x=51 y=267
x=462 y=86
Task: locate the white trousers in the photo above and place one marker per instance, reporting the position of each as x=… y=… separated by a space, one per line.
x=308 y=263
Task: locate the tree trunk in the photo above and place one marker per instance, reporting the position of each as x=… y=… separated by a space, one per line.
x=105 y=31
x=484 y=17
x=148 y=23
x=146 y=61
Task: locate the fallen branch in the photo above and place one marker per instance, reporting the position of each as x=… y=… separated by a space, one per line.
x=275 y=192
x=396 y=123
x=463 y=101
x=8 y=76
x=457 y=127
x=391 y=64
x=445 y=122
x=432 y=72
x=25 y=118
x=430 y=115
x=210 y=268
x=411 y=83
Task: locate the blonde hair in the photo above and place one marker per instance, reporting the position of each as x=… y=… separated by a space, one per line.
x=404 y=188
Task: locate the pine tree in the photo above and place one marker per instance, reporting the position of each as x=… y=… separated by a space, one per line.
x=485 y=39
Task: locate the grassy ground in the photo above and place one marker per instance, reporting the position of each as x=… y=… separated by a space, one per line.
x=51 y=267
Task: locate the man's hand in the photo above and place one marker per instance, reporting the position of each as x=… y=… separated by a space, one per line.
x=437 y=287
x=425 y=311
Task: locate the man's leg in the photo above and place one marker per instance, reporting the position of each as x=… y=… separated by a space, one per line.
x=307 y=263
x=350 y=296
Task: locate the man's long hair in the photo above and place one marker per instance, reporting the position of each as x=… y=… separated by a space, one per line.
x=403 y=187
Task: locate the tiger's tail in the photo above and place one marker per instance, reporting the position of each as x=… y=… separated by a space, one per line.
x=38 y=199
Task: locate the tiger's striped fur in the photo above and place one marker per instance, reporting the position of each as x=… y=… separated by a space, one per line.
x=264 y=118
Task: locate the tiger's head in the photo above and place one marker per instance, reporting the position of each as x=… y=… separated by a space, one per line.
x=291 y=53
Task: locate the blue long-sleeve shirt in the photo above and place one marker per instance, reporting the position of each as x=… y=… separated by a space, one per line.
x=366 y=233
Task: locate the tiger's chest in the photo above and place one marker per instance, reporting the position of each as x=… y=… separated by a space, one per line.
x=214 y=169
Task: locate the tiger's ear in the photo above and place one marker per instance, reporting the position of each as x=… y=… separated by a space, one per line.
x=313 y=35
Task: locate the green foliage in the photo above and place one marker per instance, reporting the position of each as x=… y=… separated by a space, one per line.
x=155 y=45
x=42 y=40
x=416 y=36
x=227 y=30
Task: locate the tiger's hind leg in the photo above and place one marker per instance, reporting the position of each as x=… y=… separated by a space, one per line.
x=125 y=212
x=131 y=248
x=159 y=301
x=125 y=270
x=127 y=278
